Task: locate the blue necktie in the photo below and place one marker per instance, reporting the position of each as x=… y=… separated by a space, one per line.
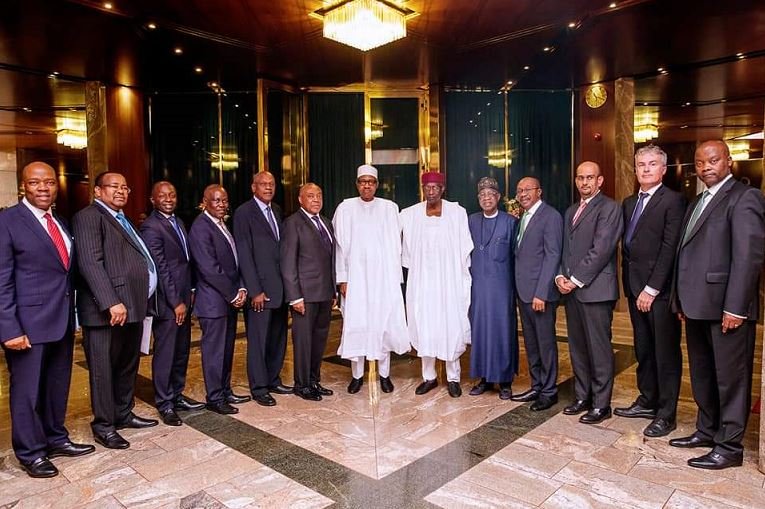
x=134 y=237
x=272 y=222
x=179 y=232
x=323 y=233
x=635 y=217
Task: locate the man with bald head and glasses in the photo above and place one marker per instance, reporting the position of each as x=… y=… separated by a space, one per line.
x=116 y=291
x=37 y=322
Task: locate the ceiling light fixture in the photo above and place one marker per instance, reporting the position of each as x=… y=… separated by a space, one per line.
x=526 y=67
x=198 y=70
x=547 y=48
x=572 y=24
x=612 y=5
x=151 y=26
x=178 y=51
x=108 y=5
x=364 y=24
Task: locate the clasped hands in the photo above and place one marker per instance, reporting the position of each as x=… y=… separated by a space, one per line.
x=565 y=285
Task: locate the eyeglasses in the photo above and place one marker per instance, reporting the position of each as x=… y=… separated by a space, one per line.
x=431 y=187
x=366 y=182
x=526 y=190
x=488 y=194
x=116 y=187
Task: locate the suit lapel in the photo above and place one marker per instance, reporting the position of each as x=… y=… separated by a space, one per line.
x=117 y=226
x=587 y=210
x=533 y=221
x=654 y=202
x=714 y=202
x=165 y=222
x=33 y=224
x=220 y=235
x=260 y=218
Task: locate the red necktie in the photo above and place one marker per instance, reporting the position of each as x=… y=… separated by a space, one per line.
x=579 y=212
x=58 y=240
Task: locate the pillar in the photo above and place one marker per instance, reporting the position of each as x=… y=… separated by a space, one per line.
x=95 y=116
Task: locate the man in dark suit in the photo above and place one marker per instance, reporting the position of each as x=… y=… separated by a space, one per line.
x=166 y=237
x=219 y=296
x=715 y=290
x=257 y=224
x=591 y=231
x=653 y=218
x=118 y=279
x=308 y=270
x=37 y=322
x=537 y=260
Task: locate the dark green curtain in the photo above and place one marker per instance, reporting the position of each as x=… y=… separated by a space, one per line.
x=335 y=145
x=474 y=144
x=184 y=145
x=539 y=123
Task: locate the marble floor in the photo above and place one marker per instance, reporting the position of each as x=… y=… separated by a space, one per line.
x=393 y=450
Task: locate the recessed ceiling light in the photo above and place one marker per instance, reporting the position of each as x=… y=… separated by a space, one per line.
x=740 y=56
x=572 y=24
x=719 y=125
x=246 y=114
x=51 y=75
x=645 y=104
x=236 y=106
x=660 y=69
x=683 y=127
x=108 y=5
x=213 y=84
x=178 y=51
x=612 y=5
x=688 y=104
x=526 y=67
x=547 y=48
x=198 y=70
x=723 y=100
x=151 y=26
x=510 y=82
x=27 y=109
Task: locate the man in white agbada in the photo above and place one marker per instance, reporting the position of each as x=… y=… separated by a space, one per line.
x=369 y=276
x=436 y=250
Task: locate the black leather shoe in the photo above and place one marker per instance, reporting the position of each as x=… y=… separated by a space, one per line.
x=543 y=403
x=691 y=441
x=137 y=422
x=188 y=404
x=426 y=386
x=596 y=415
x=322 y=390
x=235 y=399
x=505 y=392
x=455 y=391
x=355 y=385
x=264 y=399
x=385 y=384
x=480 y=388
x=530 y=395
x=39 y=468
x=636 y=410
x=308 y=393
x=577 y=407
x=170 y=418
x=112 y=440
x=70 y=449
x=715 y=461
x=222 y=408
x=280 y=389
x=659 y=427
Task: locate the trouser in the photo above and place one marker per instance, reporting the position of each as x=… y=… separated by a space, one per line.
x=266 y=346
x=541 y=347
x=309 y=339
x=170 y=360
x=453 y=369
x=383 y=366
x=218 y=335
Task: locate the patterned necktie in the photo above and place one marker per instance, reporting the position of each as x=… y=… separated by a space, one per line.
x=524 y=222
x=635 y=217
x=271 y=222
x=134 y=237
x=579 y=211
x=179 y=232
x=230 y=240
x=323 y=233
x=695 y=216
x=58 y=239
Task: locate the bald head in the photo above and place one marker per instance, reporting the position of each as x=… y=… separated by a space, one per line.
x=713 y=162
x=263 y=186
x=215 y=200
x=589 y=179
x=40 y=185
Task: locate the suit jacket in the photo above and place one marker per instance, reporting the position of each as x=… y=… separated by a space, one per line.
x=537 y=257
x=589 y=249
x=258 y=251
x=717 y=268
x=36 y=295
x=217 y=276
x=649 y=258
x=308 y=268
x=112 y=269
x=174 y=270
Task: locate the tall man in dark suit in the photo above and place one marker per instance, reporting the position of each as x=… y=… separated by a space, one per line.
x=591 y=231
x=537 y=260
x=257 y=226
x=715 y=289
x=219 y=296
x=167 y=240
x=37 y=322
x=118 y=278
x=308 y=270
x=653 y=218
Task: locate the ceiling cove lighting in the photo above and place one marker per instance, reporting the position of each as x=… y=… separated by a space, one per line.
x=364 y=24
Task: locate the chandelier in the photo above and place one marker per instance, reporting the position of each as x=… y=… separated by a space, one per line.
x=364 y=24
x=646 y=124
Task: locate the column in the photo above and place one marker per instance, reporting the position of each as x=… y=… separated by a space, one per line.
x=95 y=109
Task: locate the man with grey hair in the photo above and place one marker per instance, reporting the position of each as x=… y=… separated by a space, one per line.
x=653 y=218
x=369 y=277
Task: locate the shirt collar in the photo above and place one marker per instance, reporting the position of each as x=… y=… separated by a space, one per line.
x=534 y=208
x=310 y=216
x=495 y=214
x=652 y=190
x=39 y=213
x=260 y=203
x=214 y=219
x=111 y=211
x=713 y=190
x=166 y=216
x=588 y=200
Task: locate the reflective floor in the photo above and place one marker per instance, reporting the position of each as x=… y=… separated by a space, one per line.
x=393 y=450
